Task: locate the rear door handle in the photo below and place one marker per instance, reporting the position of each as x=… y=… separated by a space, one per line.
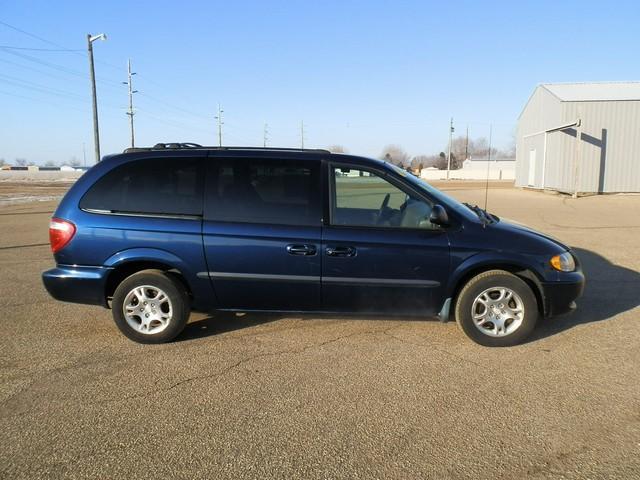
x=296 y=249
x=341 y=251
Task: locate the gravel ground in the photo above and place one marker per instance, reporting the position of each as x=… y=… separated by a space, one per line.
x=267 y=396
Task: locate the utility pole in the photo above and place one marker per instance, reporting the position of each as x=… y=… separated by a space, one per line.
x=302 y=134
x=130 y=112
x=220 y=123
x=466 y=145
x=451 y=130
x=84 y=155
x=265 y=134
x=486 y=187
x=92 y=76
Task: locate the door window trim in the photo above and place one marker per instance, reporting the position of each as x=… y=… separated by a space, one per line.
x=385 y=175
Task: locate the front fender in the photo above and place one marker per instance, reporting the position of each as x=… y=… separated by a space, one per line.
x=491 y=260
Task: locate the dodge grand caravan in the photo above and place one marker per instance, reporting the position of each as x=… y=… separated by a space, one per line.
x=154 y=233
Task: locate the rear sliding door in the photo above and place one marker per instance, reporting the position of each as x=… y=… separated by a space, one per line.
x=261 y=231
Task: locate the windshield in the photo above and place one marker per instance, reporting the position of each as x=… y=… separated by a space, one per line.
x=436 y=194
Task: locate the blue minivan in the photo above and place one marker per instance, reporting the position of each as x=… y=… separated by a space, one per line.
x=155 y=233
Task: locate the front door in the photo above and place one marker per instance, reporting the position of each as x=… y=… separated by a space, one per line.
x=379 y=250
x=261 y=232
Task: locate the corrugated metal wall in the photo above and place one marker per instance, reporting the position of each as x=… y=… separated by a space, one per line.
x=610 y=151
x=610 y=156
x=543 y=109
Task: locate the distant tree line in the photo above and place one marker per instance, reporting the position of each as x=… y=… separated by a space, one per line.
x=461 y=149
x=23 y=162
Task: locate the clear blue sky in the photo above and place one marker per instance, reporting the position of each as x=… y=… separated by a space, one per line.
x=360 y=73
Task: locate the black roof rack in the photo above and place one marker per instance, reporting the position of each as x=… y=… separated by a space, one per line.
x=195 y=146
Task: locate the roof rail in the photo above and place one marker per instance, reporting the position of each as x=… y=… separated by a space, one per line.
x=195 y=146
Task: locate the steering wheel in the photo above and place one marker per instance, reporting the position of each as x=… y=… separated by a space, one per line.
x=383 y=208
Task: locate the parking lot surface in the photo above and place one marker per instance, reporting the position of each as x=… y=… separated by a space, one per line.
x=271 y=396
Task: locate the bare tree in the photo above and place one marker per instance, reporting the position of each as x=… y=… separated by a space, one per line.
x=395 y=154
x=74 y=162
x=2 y=162
x=21 y=162
x=50 y=163
x=337 y=149
x=419 y=162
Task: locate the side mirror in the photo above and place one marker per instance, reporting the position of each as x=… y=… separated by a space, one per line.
x=439 y=216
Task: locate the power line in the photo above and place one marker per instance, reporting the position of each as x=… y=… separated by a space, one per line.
x=57 y=66
x=38 y=87
x=32 y=35
x=10 y=47
x=62 y=47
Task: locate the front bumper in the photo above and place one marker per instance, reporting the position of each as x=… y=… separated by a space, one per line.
x=560 y=297
x=70 y=283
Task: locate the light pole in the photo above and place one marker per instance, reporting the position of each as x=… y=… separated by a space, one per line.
x=451 y=130
x=92 y=74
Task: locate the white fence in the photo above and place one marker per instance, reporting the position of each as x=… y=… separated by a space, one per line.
x=475 y=170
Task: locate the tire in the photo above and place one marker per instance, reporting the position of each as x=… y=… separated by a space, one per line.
x=502 y=319
x=156 y=321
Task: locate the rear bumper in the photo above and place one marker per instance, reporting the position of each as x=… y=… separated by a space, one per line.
x=76 y=284
x=560 y=297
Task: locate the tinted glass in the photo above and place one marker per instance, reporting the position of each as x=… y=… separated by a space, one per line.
x=170 y=186
x=274 y=191
x=363 y=198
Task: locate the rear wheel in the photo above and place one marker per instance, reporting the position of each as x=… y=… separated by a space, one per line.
x=496 y=309
x=150 y=307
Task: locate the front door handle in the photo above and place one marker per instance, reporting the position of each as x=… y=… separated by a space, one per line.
x=301 y=249
x=341 y=251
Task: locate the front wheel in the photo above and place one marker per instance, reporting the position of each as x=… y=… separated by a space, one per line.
x=150 y=307
x=496 y=309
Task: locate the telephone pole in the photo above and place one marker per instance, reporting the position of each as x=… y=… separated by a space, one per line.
x=130 y=112
x=265 y=134
x=451 y=130
x=302 y=134
x=220 y=123
x=466 y=145
x=94 y=97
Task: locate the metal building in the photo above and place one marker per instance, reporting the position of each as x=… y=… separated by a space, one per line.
x=606 y=119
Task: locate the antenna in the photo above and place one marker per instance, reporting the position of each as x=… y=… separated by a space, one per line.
x=486 y=187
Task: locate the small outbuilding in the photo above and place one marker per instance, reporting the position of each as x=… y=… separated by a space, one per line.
x=580 y=138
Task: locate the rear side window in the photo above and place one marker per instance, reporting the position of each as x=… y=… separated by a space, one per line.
x=170 y=186
x=277 y=191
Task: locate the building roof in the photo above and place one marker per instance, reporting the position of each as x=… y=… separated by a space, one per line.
x=594 y=92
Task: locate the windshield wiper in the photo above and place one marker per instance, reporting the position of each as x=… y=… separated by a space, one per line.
x=482 y=214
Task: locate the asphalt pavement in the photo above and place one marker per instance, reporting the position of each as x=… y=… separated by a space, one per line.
x=272 y=396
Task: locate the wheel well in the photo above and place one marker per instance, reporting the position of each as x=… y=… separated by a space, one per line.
x=129 y=268
x=528 y=276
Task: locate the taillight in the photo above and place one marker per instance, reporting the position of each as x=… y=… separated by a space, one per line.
x=60 y=233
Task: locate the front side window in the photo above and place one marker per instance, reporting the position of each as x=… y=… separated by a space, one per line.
x=163 y=186
x=366 y=199
x=277 y=191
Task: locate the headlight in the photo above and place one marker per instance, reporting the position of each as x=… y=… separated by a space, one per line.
x=563 y=262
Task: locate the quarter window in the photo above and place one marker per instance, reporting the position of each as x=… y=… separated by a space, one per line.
x=364 y=198
x=170 y=186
